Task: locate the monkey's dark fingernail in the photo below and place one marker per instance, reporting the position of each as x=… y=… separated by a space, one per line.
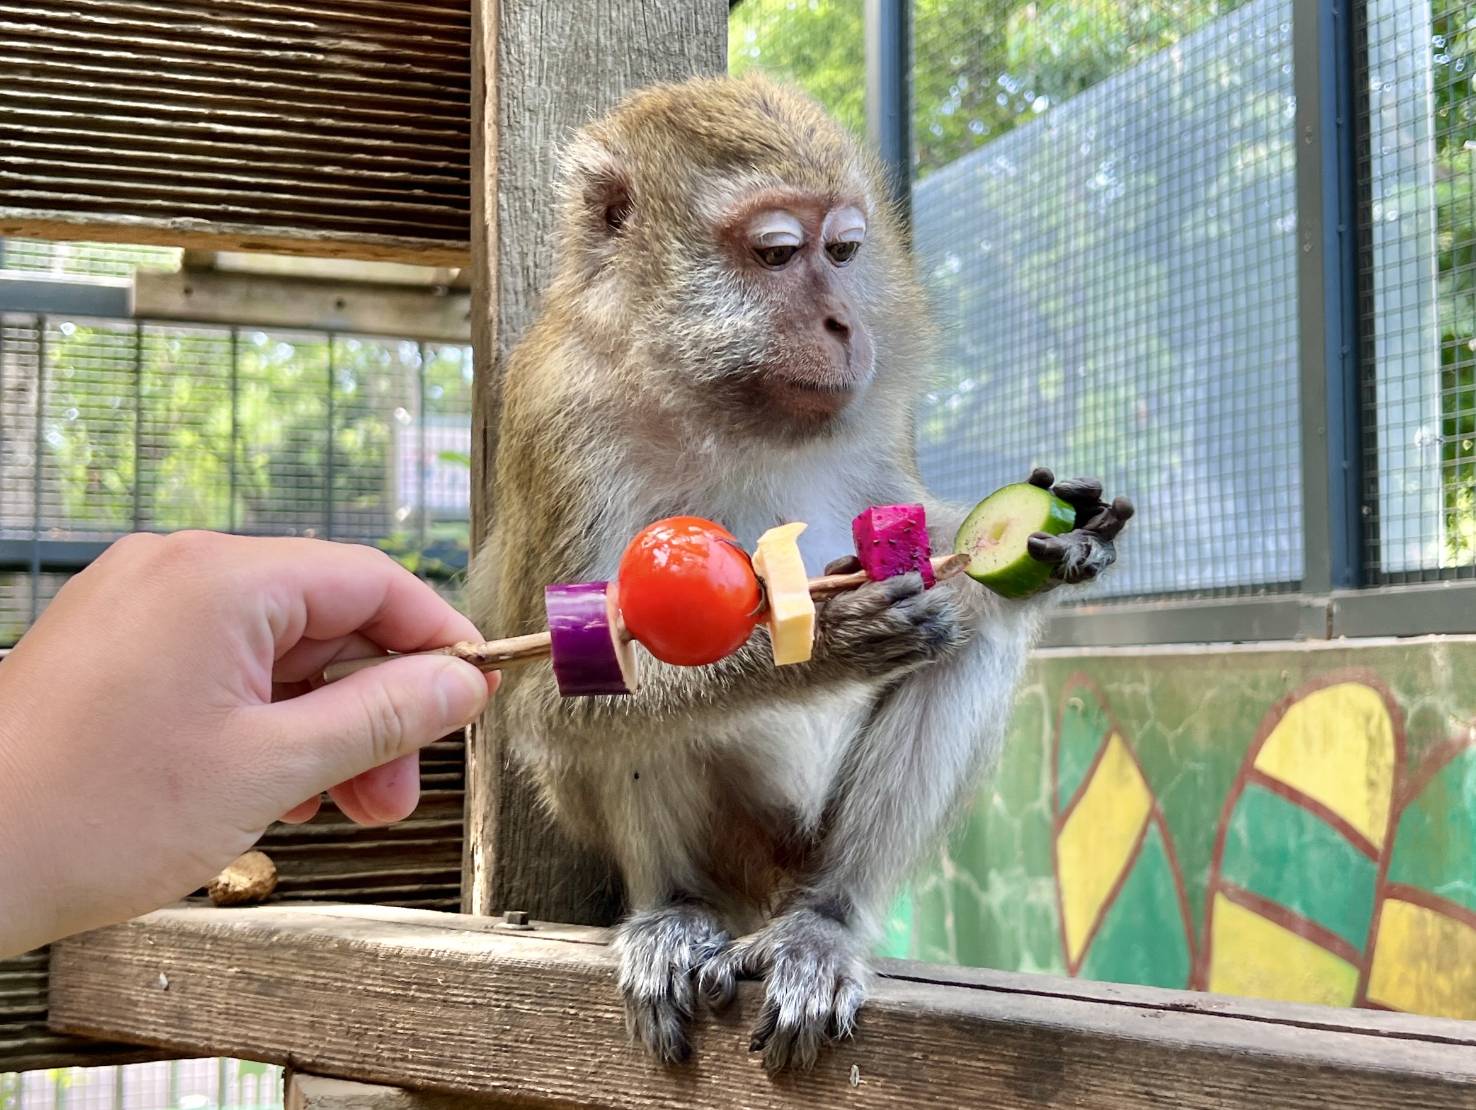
x=764 y=1031
x=1045 y=548
x=1042 y=477
x=1123 y=509
x=1079 y=490
x=847 y=564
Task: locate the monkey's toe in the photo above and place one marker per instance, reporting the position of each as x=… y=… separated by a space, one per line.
x=660 y=951
x=814 y=985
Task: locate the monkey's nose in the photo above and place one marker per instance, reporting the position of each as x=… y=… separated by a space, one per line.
x=837 y=326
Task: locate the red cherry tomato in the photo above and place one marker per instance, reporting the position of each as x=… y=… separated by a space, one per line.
x=688 y=592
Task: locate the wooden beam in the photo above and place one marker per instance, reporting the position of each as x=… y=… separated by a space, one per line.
x=224 y=235
x=442 y=1002
x=267 y=300
x=316 y=1092
x=540 y=70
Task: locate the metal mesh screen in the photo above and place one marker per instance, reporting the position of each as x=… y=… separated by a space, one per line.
x=1116 y=284
x=1418 y=288
x=112 y=426
x=173 y=1084
x=90 y=259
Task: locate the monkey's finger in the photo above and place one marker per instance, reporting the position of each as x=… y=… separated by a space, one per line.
x=1116 y=515
x=1045 y=548
x=849 y=994
x=846 y=564
x=718 y=980
x=1042 y=477
x=1079 y=491
x=763 y=1032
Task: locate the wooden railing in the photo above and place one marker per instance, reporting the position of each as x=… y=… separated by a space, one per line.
x=439 y=1002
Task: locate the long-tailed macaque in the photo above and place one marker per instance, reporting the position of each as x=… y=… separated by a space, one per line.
x=734 y=331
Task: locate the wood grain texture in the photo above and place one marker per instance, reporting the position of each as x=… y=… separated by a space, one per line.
x=440 y=1002
x=339 y=127
x=294 y=302
x=316 y=1092
x=540 y=71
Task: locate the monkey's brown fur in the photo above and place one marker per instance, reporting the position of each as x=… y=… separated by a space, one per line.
x=739 y=796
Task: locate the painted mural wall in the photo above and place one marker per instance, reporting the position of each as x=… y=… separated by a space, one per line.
x=1296 y=824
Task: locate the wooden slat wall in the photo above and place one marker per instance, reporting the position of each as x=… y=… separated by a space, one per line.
x=415 y=863
x=312 y=126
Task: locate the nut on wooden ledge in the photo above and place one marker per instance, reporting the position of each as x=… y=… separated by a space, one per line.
x=250 y=879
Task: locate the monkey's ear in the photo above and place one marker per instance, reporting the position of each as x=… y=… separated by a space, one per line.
x=607 y=199
x=598 y=187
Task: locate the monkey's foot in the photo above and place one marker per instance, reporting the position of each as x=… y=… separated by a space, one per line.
x=815 y=974
x=659 y=950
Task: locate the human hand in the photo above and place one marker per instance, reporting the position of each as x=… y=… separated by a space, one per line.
x=159 y=716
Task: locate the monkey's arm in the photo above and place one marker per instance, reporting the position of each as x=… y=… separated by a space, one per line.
x=904 y=776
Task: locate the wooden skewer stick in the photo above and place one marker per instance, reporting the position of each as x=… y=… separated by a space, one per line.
x=493 y=655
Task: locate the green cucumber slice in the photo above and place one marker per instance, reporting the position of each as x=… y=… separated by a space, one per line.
x=994 y=535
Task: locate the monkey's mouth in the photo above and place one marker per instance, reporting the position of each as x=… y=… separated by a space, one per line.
x=808 y=400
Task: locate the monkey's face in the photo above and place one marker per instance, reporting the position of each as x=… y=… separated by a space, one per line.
x=730 y=255
x=795 y=255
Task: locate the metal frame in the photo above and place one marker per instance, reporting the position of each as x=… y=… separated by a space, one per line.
x=889 y=93
x=1327 y=295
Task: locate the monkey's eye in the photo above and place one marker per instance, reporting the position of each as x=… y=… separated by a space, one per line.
x=775 y=257
x=841 y=253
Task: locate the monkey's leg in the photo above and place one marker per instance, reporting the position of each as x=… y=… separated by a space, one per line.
x=660 y=950
x=904 y=774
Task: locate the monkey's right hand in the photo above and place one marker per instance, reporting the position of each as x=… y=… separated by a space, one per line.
x=886 y=628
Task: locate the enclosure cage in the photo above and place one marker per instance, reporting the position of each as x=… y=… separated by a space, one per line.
x=1216 y=252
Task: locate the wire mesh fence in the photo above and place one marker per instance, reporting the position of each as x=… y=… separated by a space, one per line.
x=171 y=1085
x=113 y=426
x=115 y=260
x=1418 y=282
x=1116 y=282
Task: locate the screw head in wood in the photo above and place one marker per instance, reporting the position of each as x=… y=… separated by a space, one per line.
x=516 y=920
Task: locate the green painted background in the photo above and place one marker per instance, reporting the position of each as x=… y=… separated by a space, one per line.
x=988 y=897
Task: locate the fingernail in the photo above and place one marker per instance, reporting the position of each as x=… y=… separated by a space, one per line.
x=463 y=692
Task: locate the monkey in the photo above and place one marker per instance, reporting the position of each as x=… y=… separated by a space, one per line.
x=733 y=330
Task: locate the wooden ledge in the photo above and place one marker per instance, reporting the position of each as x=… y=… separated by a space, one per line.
x=438 y=1001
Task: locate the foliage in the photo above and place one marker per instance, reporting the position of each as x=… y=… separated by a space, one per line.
x=177 y=427
x=981 y=66
x=1453 y=48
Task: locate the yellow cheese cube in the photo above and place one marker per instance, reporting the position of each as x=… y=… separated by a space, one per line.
x=777 y=561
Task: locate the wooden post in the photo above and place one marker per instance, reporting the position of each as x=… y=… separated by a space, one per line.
x=539 y=70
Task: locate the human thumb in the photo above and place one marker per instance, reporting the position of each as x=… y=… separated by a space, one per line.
x=373 y=716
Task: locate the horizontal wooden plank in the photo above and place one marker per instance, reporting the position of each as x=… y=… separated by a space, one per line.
x=185 y=67
x=339 y=50
x=209 y=235
x=316 y=1092
x=76 y=135
x=339 y=128
x=449 y=1003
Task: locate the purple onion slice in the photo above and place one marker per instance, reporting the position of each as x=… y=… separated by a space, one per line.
x=893 y=540
x=589 y=654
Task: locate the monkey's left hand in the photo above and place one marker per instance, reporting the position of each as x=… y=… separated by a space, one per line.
x=1087 y=550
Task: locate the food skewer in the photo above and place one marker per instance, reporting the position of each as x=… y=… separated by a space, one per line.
x=494 y=655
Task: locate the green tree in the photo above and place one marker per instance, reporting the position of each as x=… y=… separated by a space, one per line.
x=980 y=66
